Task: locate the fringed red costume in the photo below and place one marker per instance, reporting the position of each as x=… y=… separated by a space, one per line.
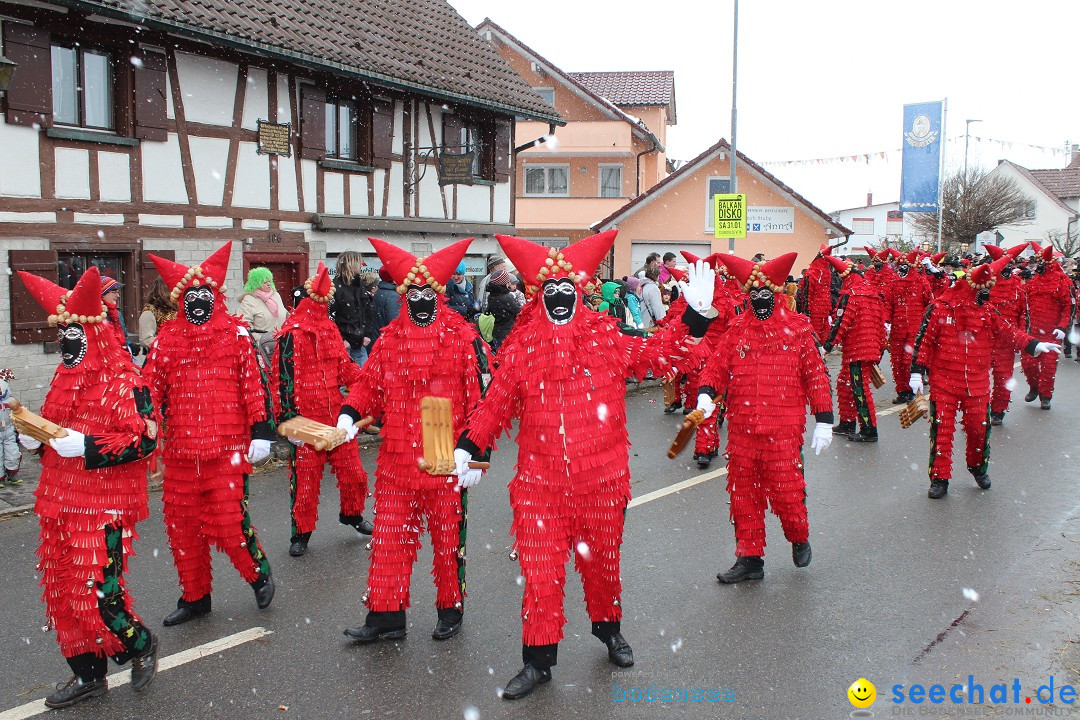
x=880 y=273
x=89 y=500
x=1007 y=297
x=204 y=371
x=1049 y=302
x=562 y=374
x=308 y=370
x=427 y=350
x=939 y=280
x=769 y=367
x=906 y=299
x=860 y=329
x=819 y=291
x=959 y=332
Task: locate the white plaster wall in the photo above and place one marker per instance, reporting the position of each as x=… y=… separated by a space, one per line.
x=358 y=185
x=20 y=174
x=208 y=87
x=33 y=368
x=284 y=111
x=287 y=193
x=334 y=193
x=379 y=178
x=503 y=201
x=398 y=114
x=255 y=98
x=397 y=192
x=163 y=172
x=72 y=173
x=252 y=188
x=430 y=196
x=114 y=176
x=474 y=203
x=170 y=109
x=423 y=137
x=209 y=158
x=310 y=172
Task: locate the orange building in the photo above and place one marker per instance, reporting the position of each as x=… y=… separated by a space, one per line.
x=676 y=214
x=610 y=150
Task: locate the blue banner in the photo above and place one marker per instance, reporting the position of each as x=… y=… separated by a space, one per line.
x=922 y=157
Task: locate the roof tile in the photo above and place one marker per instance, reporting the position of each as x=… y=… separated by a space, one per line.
x=631 y=87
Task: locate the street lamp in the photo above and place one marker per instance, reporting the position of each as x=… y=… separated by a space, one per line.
x=7 y=72
x=926 y=246
x=967 y=130
x=964 y=247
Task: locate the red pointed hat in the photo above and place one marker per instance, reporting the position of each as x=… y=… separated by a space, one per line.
x=81 y=305
x=771 y=273
x=407 y=269
x=1046 y=254
x=983 y=276
x=841 y=265
x=690 y=257
x=537 y=263
x=677 y=273
x=211 y=271
x=993 y=251
x=894 y=253
x=936 y=258
x=826 y=249
x=1000 y=262
x=319 y=287
x=870 y=252
x=912 y=257
x=714 y=262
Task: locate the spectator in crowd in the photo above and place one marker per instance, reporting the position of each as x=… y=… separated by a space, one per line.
x=110 y=295
x=385 y=304
x=652 y=302
x=503 y=306
x=494 y=264
x=159 y=309
x=633 y=300
x=516 y=283
x=459 y=294
x=651 y=260
x=350 y=307
x=665 y=269
x=262 y=309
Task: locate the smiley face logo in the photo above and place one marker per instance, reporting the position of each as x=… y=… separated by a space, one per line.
x=862 y=693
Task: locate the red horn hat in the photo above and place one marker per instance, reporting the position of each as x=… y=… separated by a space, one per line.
x=993 y=251
x=870 y=252
x=912 y=257
x=936 y=258
x=678 y=273
x=984 y=276
x=842 y=266
x=211 y=271
x=772 y=274
x=537 y=263
x=319 y=287
x=82 y=305
x=826 y=249
x=407 y=269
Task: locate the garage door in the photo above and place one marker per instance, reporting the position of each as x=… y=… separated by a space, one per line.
x=640 y=250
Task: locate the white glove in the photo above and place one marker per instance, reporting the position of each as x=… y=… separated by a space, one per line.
x=704 y=402
x=888 y=328
x=467 y=477
x=1059 y=334
x=1047 y=347
x=344 y=422
x=28 y=442
x=258 y=451
x=698 y=289
x=71 y=445
x=822 y=437
x=915 y=383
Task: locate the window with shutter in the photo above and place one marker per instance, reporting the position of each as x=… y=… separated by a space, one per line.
x=502 y=151
x=29 y=322
x=312 y=122
x=150 y=99
x=29 y=99
x=382 y=132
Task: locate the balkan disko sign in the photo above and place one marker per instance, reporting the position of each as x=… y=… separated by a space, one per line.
x=779 y=220
x=729 y=215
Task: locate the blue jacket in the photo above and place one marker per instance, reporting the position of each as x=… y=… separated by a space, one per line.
x=463 y=302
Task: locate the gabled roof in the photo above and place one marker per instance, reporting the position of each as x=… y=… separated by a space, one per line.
x=1035 y=180
x=633 y=87
x=605 y=105
x=417 y=45
x=1064 y=183
x=691 y=167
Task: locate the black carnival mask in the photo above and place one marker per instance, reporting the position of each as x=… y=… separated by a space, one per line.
x=878 y=264
x=198 y=305
x=763 y=301
x=72 y=344
x=421 y=303
x=981 y=296
x=902 y=270
x=1041 y=268
x=560 y=299
x=1007 y=272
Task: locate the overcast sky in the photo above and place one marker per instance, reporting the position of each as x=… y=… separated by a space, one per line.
x=829 y=78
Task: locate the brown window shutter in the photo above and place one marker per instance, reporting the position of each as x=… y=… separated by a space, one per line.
x=312 y=122
x=150 y=101
x=29 y=100
x=148 y=271
x=29 y=322
x=503 y=131
x=451 y=133
x=382 y=132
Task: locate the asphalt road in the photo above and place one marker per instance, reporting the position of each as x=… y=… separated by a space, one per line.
x=901 y=590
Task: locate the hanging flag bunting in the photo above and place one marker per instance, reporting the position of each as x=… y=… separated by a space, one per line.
x=921 y=171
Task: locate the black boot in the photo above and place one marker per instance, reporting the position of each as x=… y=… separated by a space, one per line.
x=983 y=480
x=997 y=418
x=448 y=625
x=88 y=681
x=867 y=435
x=938 y=489
x=1044 y=403
x=144 y=667
x=299 y=544
x=1032 y=394
x=673 y=407
x=619 y=652
x=903 y=398
x=264 y=590
x=188 y=611
x=845 y=428
x=800 y=553
x=749 y=567
x=358 y=523
x=379 y=626
x=539 y=659
x=703 y=460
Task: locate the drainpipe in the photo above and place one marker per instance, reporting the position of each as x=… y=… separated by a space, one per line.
x=654 y=148
x=538 y=141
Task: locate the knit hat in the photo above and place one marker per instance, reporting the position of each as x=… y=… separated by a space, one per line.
x=384 y=275
x=108 y=284
x=460 y=269
x=633 y=283
x=501 y=277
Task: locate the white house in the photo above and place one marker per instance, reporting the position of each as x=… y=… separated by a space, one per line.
x=1054 y=208
x=874 y=225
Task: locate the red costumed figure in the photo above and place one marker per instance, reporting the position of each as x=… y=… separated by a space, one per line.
x=939 y=279
x=769 y=366
x=675 y=386
x=906 y=299
x=860 y=329
x=429 y=350
x=880 y=273
x=309 y=368
x=1007 y=297
x=92 y=492
x=1049 y=305
x=204 y=373
x=562 y=374
x=819 y=291
x=958 y=335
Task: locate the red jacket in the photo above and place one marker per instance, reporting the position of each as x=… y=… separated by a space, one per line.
x=860 y=321
x=1009 y=298
x=906 y=299
x=881 y=278
x=1049 y=301
x=819 y=287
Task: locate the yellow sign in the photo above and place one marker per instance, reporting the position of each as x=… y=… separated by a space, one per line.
x=729 y=215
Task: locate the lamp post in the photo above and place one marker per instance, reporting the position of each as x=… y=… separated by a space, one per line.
x=7 y=72
x=967 y=131
x=926 y=246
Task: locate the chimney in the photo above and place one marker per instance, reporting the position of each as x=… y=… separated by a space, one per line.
x=1074 y=158
x=869 y=199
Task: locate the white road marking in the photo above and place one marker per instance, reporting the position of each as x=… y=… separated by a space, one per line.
x=123 y=677
x=896 y=409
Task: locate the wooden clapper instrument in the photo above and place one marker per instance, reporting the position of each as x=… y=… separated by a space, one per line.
x=437 y=418
x=917 y=408
x=689 y=425
x=37 y=427
x=316 y=434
